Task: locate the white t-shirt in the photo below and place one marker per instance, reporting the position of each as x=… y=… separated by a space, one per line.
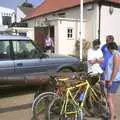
x=93 y=55
x=48 y=42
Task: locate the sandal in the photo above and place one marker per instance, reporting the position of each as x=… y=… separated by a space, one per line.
x=114 y=118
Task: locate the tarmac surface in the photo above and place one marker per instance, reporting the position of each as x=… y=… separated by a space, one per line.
x=18 y=107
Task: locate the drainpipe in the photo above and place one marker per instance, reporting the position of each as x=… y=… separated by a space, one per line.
x=81 y=30
x=99 y=21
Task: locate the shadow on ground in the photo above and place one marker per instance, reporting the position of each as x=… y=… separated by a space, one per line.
x=15 y=108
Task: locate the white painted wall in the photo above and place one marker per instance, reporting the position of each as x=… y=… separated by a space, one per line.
x=72 y=13
x=29 y=31
x=110 y=24
x=91 y=24
x=31 y=23
x=6 y=11
x=30 y=34
x=67 y=45
x=19 y=15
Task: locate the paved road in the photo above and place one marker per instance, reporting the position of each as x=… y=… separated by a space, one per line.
x=19 y=107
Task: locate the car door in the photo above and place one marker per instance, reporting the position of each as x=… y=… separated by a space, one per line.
x=27 y=57
x=6 y=61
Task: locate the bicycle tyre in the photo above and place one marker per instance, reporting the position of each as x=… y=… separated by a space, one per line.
x=40 y=105
x=39 y=97
x=54 y=111
x=96 y=107
x=80 y=115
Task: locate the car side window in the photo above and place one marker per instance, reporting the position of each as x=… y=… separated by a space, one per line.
x=24 y=50
x=4 y=50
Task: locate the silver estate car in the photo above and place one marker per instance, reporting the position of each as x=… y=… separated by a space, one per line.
x=19 y=55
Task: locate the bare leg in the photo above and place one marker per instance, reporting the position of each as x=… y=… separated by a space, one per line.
x=110 y=100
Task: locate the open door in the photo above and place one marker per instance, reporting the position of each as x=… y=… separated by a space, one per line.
x=41 y=33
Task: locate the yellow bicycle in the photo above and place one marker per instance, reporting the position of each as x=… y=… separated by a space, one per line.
x=71 y=98
x=70 y=105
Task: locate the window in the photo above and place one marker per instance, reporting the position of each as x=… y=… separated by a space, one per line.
x=69 y=33
x=25 y=50
x=23 y=34
x=6 y=20
x=4 y=50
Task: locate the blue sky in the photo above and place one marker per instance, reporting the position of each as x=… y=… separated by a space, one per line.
x=14 y=3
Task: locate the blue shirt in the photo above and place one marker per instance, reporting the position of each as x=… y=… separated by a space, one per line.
x=106 y=55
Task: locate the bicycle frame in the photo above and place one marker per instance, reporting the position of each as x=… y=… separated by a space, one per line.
x=70 y=97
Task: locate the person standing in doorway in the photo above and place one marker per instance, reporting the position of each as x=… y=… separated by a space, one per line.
x=49 y=44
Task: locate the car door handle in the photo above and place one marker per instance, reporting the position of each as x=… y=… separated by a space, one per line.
x=19 y=64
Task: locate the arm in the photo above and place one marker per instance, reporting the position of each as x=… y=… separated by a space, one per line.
x=92 y=61
x=116 y=64
x=100 y=60
x=90 y=58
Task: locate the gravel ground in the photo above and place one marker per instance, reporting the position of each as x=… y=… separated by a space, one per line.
x=16 y=107
x=19 y=107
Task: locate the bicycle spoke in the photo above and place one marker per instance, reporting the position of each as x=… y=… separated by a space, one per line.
x=40 y=107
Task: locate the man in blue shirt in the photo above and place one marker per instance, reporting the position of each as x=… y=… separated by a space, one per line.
x=106 y=53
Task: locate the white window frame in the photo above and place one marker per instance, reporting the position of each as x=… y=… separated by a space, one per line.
x=69 y=33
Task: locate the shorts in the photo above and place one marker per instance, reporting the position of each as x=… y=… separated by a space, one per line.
x=114 y=87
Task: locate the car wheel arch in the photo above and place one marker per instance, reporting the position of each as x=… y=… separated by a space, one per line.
x=66 y=69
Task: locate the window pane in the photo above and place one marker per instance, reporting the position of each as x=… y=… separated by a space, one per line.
x=22 y=34
x=68 y=30
x=24 y=50
x=4 y=50
x=6 y=20
x=70 y=33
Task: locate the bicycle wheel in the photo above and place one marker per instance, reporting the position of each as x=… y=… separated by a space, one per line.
x=40 y=105
x=96 y=105
x=78 y=116
x=56 y=110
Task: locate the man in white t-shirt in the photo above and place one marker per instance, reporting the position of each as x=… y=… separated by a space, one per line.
x=95 y=58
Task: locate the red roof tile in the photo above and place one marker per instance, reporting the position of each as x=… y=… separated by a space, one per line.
x=115 y=1
x=54 y=5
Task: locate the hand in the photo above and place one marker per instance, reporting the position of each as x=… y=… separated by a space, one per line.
x=92 y=61
x=97 y=61
x=109 y=82
x=103 y=82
